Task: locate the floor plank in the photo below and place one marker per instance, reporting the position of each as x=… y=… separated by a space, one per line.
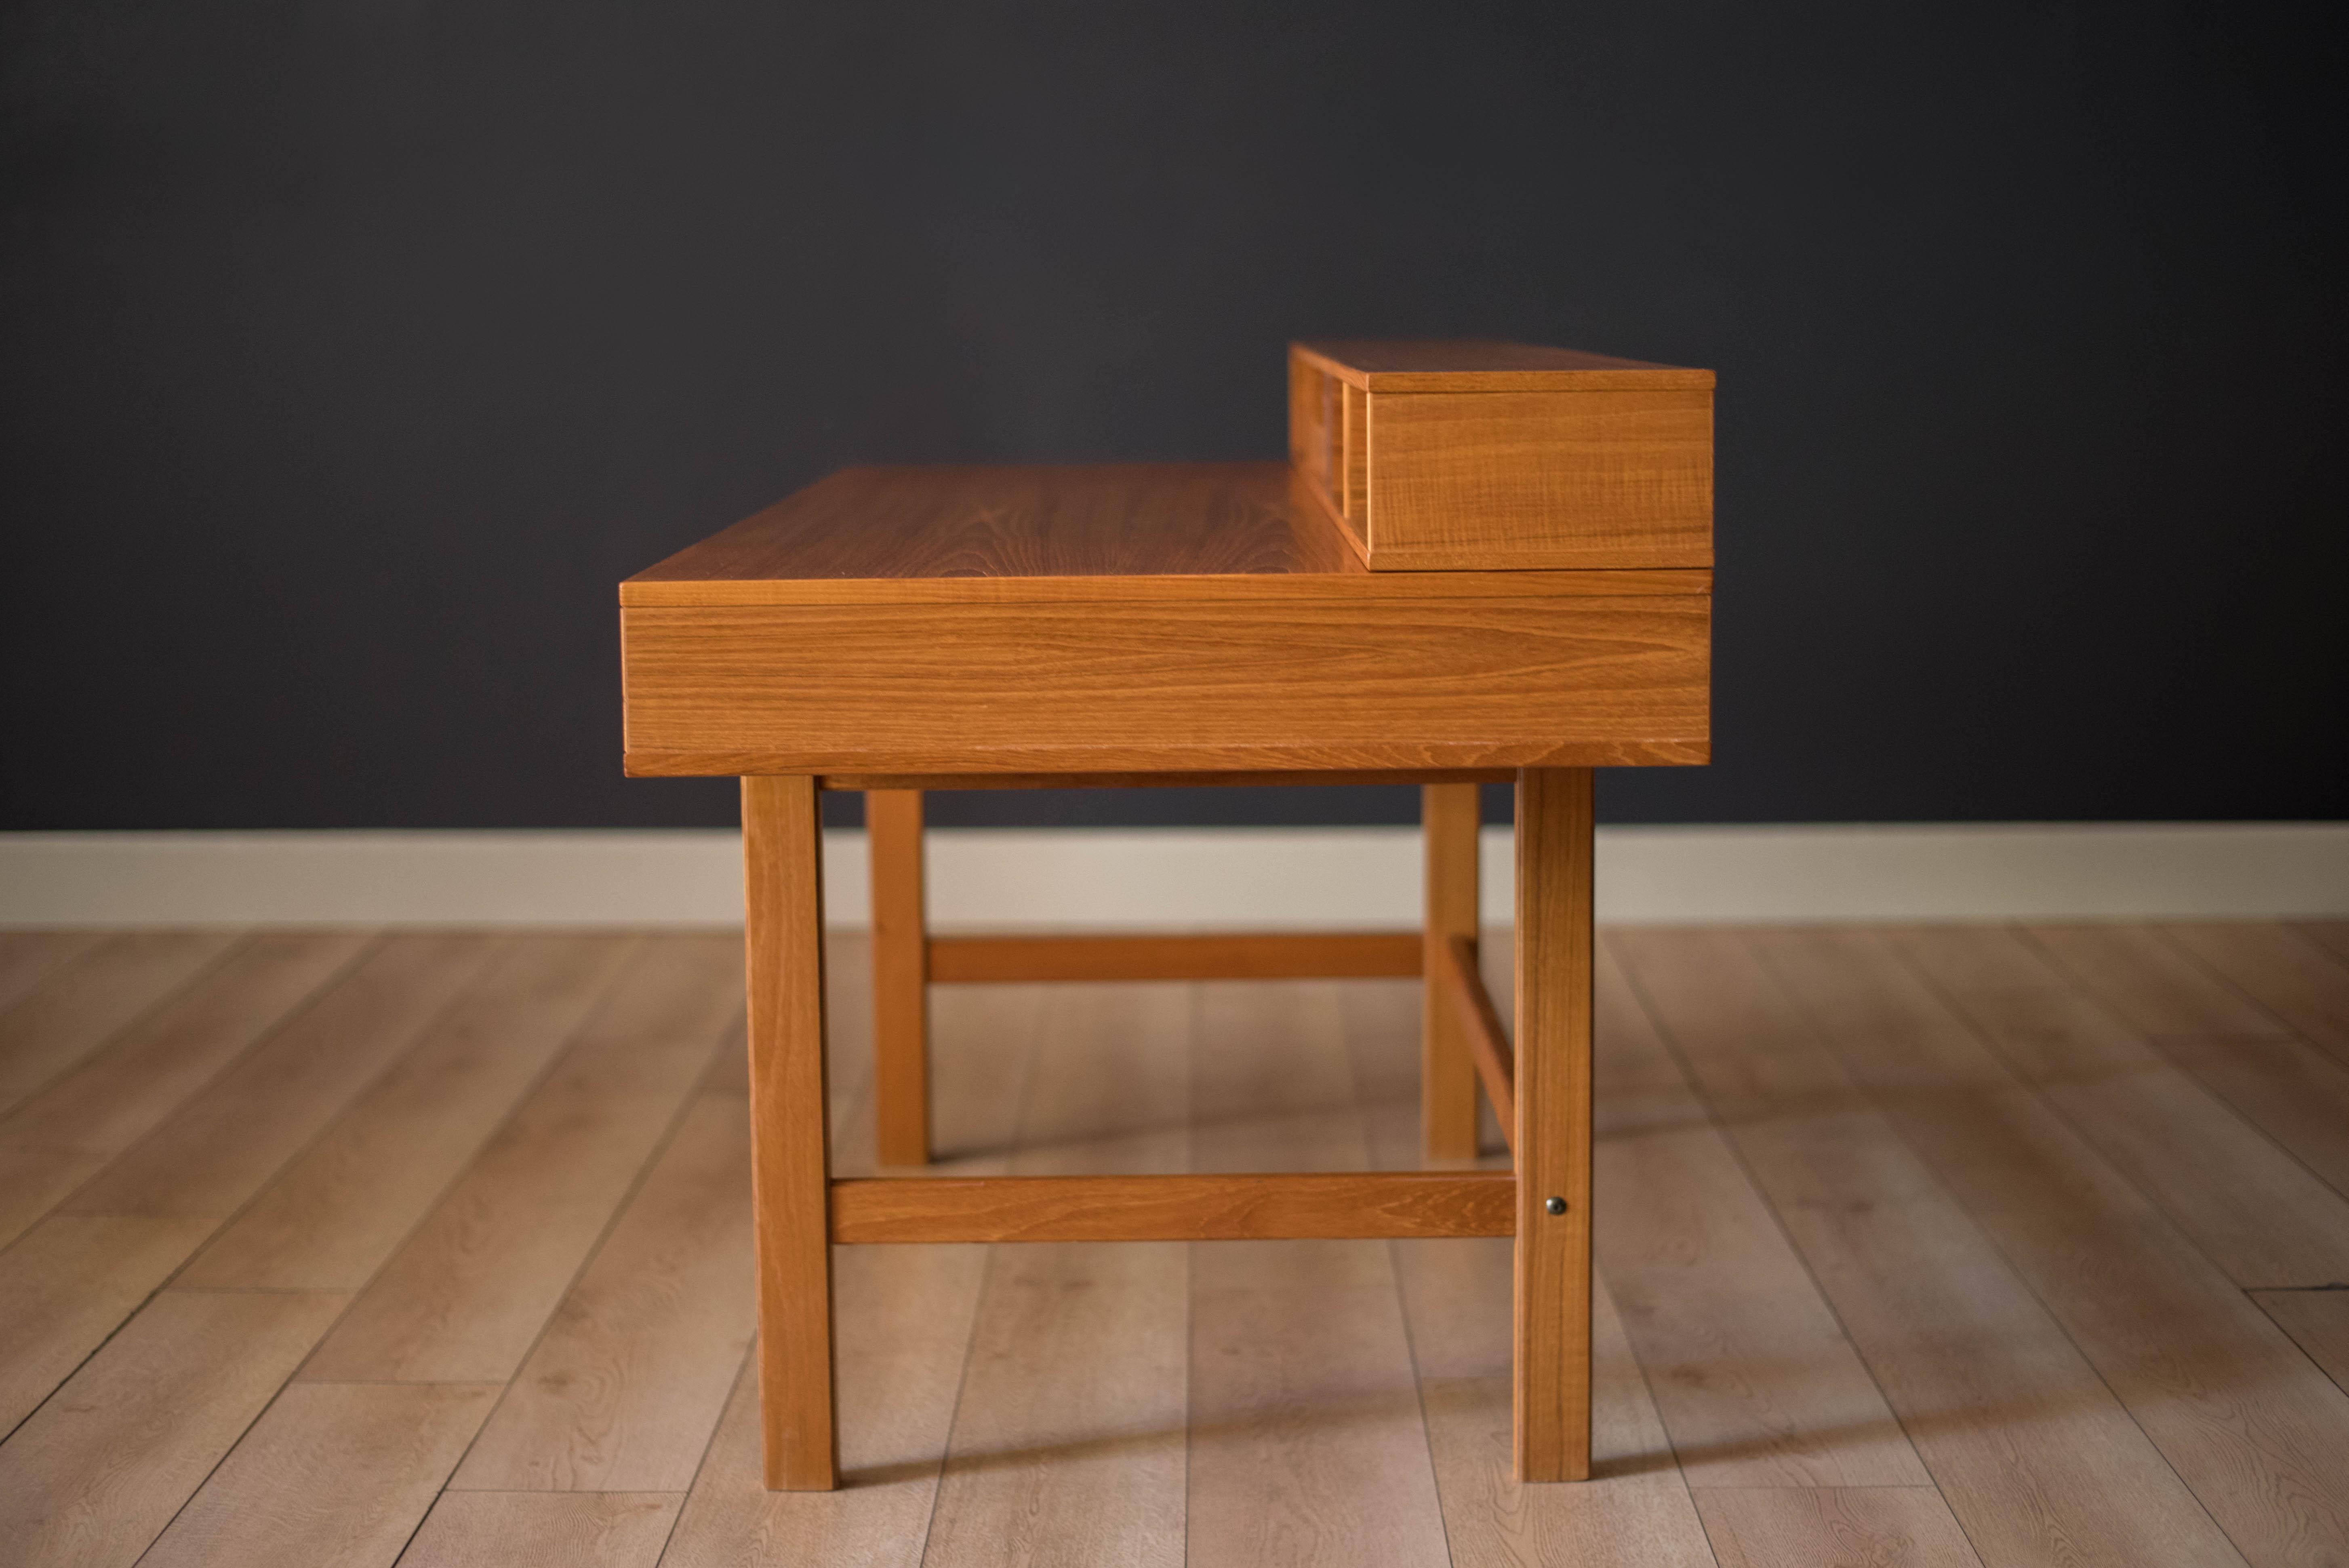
x=1066 y=1442
x=1456 y=1304
x=624 y=1390
x=98 y=1473
x=1949 y=1331
x=1302 y=1390
x=903 y=1329
x=213 y=1154
x=2151 y=986
x=2318 y=1322
x=340 y=1207
x=1634 y=1509
x=544 y=1530
x=29 y=957
x=2287 y=1089
x=1864 y=1177
x=2333 y=935
x=2258 y=1213
x=1946 y=1329
x=338 y=1473
x=2298 y=979
x=1834 y=1527
x=465 y=1296
x=80 y=1005
x=2279 y=1083
x=1753 y=1375
x=69 y=1284
x=904 y=1326
x=2239 y=1414
x=68 y=1131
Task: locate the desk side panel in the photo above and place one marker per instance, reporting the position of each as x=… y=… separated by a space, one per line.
x=1190 y=685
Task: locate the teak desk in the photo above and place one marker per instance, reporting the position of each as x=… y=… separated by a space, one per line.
x=1484 y=563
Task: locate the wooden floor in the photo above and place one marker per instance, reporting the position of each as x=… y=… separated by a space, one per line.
x=1919 y=1247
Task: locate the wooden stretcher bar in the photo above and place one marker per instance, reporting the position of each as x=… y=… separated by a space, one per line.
x=1369 y=1204
x=1217 y=956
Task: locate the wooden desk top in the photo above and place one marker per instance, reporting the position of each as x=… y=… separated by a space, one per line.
x=1121 y=531
x=1481 y=556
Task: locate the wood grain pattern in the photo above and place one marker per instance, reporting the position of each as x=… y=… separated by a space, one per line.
x=1945 y=1327
x=68 y=1131
x=466 y=1295
x=29 y=957
x=1482 y=365
x=1638 y=1087
x=1031 y=688
x=340 y=1207
x=901 y=977
x=1068 y=1434
x=1754 y=1376
x=1634 y=1509
x=1301 y=1379
x=783 y=856
x=2279 y=1083
x=1448 y=815
x=1552 y=1375
x=1859 y=1102
x=2332 y=935
x=2237 y=1412
x=1097 y=534
x=544 y=1530
x=1834 y=1527
x=902 y=1327
x=338 y=1473
x=1301 y=1392
x=1069 y=1444
x=1616 y=478
x=1344 y=757
x=1240 y=1207
x=1101 y=594
x=222 y=1145
x=1190 y=955
x=2287 y=1089
x=95 y=1473
x=2296 y=978
x=67 y=1284
x=2260 y=1214
x=623 y=1388
x=1323 y=779
x=1272 y=1085
x=2318 y=1322
x=970 y=528
x=85 y=1001
x=2151 y=986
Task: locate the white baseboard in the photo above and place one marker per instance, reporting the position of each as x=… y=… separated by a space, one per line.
x=1200 y=878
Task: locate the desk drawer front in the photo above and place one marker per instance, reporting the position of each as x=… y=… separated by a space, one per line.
x=983 y=687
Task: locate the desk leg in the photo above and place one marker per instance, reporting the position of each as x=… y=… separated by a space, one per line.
x=1552 y=1376
x=901 y=978
x=790 y=1158
x=1447 y=1075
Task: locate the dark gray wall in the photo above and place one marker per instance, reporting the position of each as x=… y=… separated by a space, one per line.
x=352 y=353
